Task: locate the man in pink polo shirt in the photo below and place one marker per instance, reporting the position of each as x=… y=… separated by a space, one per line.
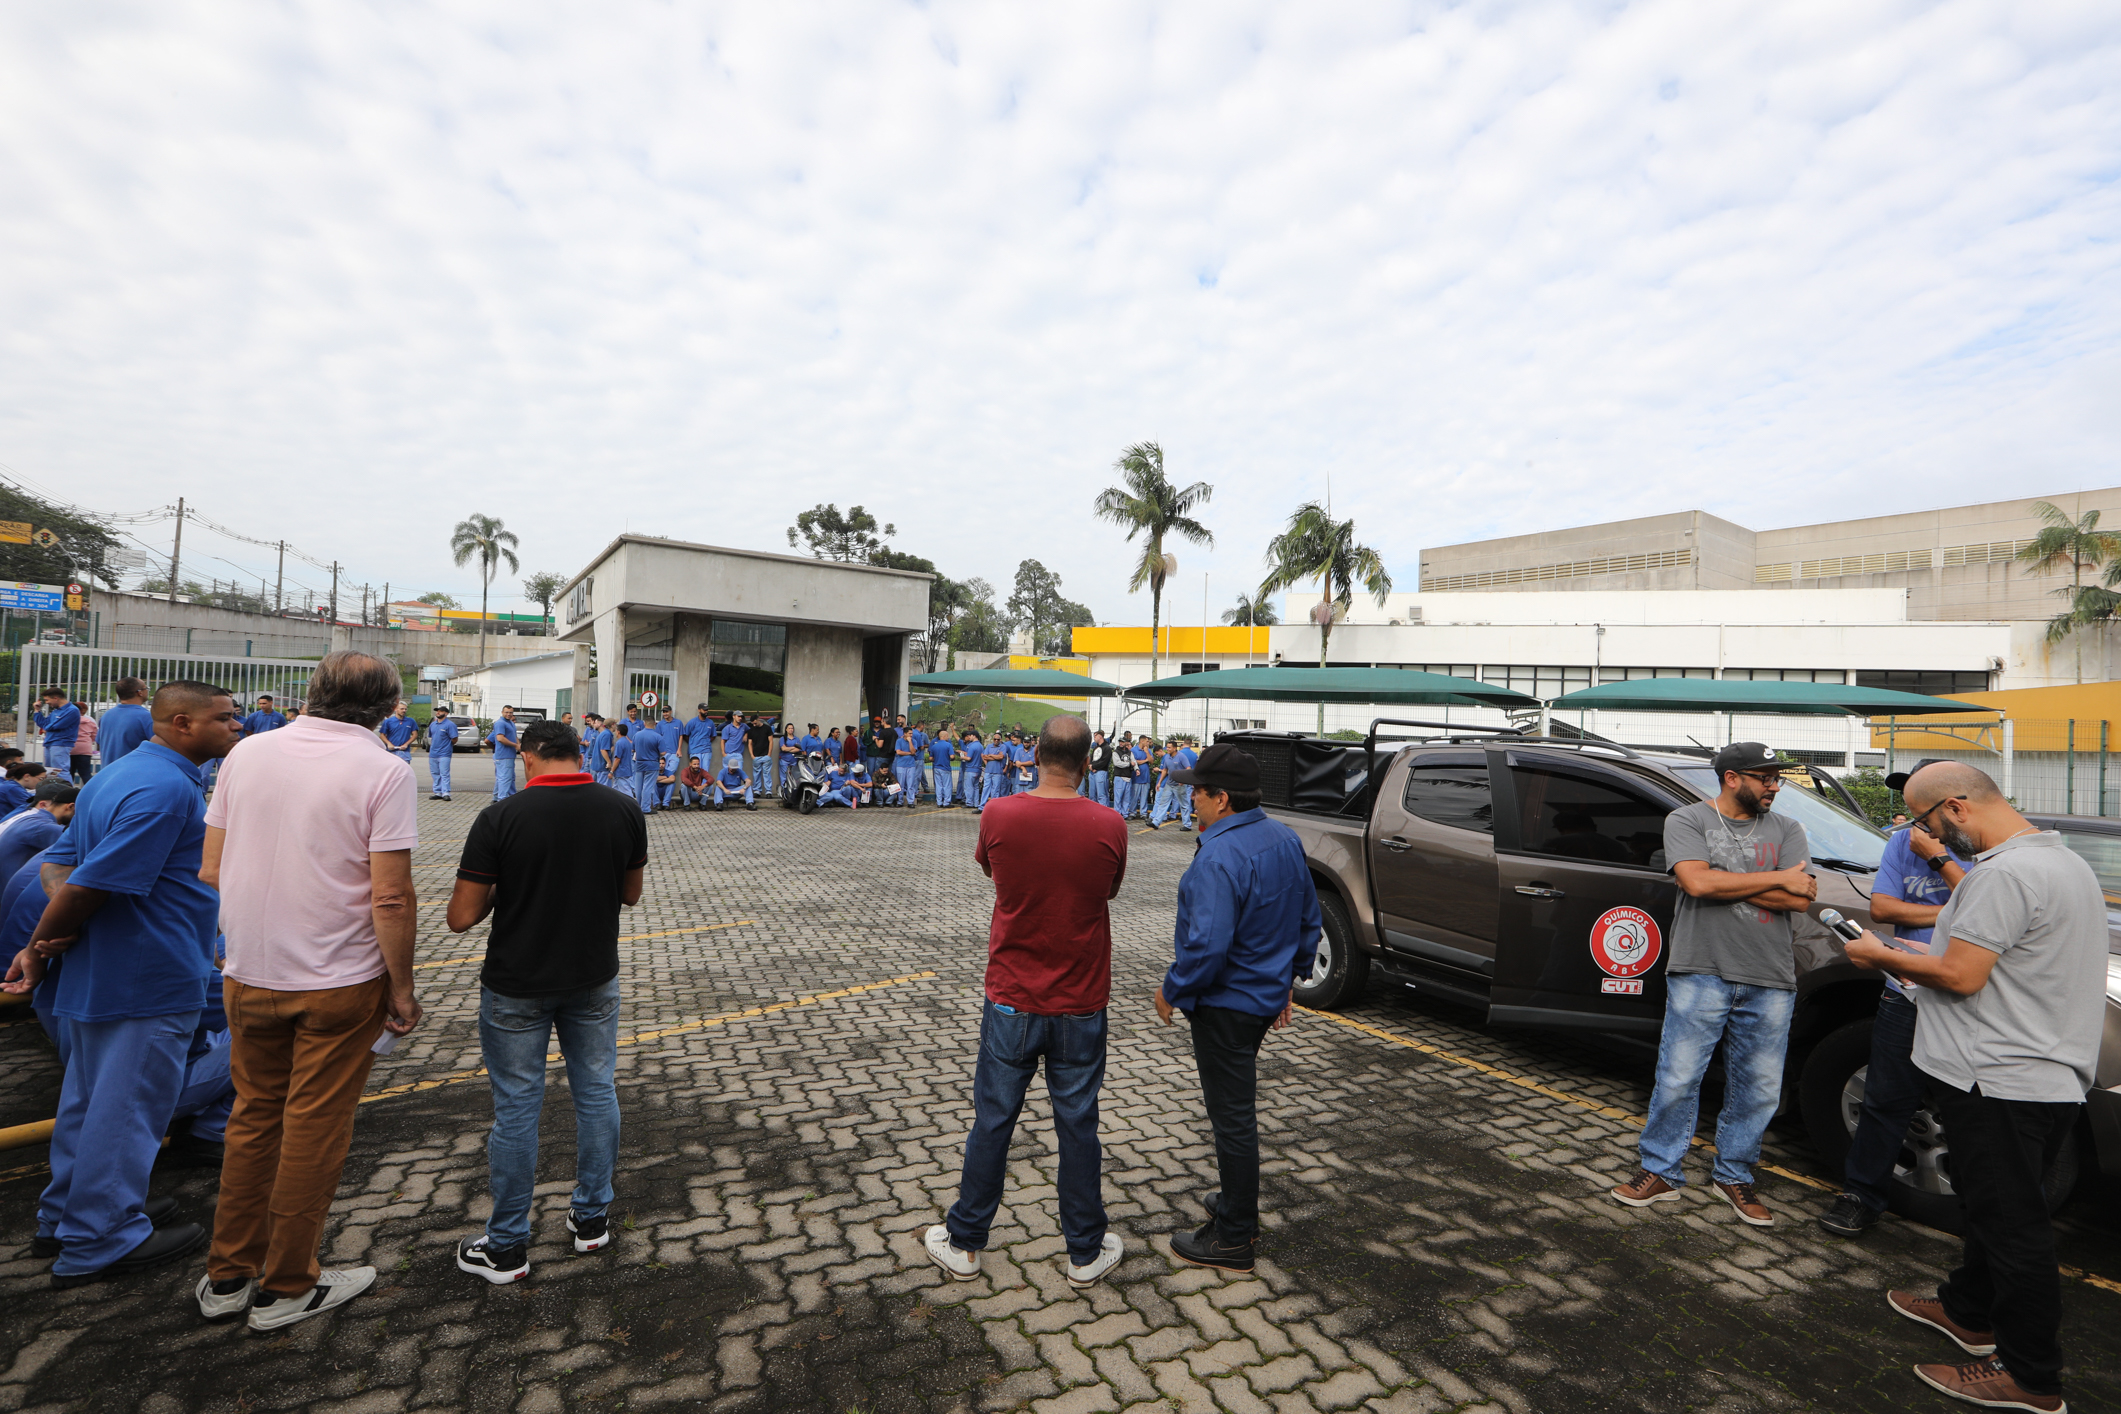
x=309 y=839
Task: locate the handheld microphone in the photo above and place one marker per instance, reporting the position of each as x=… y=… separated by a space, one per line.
x=1847 y=930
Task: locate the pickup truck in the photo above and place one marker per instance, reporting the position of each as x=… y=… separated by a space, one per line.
x=1525 y=877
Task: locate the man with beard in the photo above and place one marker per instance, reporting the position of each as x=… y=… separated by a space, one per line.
x=1732 y=977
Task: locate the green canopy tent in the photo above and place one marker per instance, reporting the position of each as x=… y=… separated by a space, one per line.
x=1351 y=686
x=1034 y=682
x=1782 y=699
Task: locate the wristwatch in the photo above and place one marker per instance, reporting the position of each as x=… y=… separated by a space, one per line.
x=1937 y=862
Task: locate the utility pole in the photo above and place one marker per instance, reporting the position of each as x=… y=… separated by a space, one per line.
x=176 y=553
x=334 y=593
x=383 y=618
x=279 y=581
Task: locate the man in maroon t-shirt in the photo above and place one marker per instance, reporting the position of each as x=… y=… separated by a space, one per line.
x=1056 y=859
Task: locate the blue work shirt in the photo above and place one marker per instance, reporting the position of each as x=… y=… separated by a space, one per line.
x=811 y=743
x=920 y=740
x=942 y=753
x=994 y=757
x=1187 y=758
x=732 y=775
x=442 y=737
x=1907 y=876
x=138 y=834
x=60 y=726
x=12 y=798
x=23 y=881
x=622 y=758
x=253 y=724
x=399 y=731
x=1248 y=921
x=668 y=733
x=733 y=738
x=1023 y=756
x=604 y=738
x=31 y=833
x=123 y=727
x=699 y=737
x=503 y=737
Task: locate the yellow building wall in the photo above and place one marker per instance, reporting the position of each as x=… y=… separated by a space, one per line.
x=1171 y=640
x=2040 y=718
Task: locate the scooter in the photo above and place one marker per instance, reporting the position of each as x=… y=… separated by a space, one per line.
x=801 y=784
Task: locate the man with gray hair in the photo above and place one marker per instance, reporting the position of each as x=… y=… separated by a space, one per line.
x=2008 y=1005
x=309 y=840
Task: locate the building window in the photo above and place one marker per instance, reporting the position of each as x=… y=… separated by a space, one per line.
x=1640 y=674
x=1574 y=569
x=1937 y=683
x=746 y=671
x=1827 y=675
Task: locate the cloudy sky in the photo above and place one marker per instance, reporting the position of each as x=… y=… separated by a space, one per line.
x=345 y=273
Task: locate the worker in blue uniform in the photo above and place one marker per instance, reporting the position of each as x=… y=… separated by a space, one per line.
x=398 y=730
x=442 y=734
x=32 y=831
x=503 y=739
x=699 y=734
x=731 y=779
x=126 y=725
x=838 y=788
x=942 y=759
x=60 y=721
x=621 y=755
x=969 y=768
x=262 y=717
x=906 y=766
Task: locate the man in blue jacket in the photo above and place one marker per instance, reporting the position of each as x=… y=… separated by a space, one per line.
x=442 y=734
x=60 y=721
x=1248 y=927
x=126 y=725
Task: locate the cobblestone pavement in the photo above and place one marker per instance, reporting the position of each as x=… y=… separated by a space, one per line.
x=802 y=1020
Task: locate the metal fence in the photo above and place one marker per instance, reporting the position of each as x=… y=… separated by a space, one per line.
x=89 y=677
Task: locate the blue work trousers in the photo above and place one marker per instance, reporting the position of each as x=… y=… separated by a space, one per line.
x=515 y=1036
x=968 y=783
x=1754 y=1025
x=1122 y=794
x=644 y=788
x=992 y=785
x=721 y=791
x=209 y=1093
x=875 y=764
x=843 y=796
x=438 y=765
x=942 y=786
x=1011 y=1044
x=906 y=771
x=1173 y=801
x=120 y=1091
x=403 y=753
x=762 y=774
x=504 y=776
x=60 y=759
x=1892 y=1092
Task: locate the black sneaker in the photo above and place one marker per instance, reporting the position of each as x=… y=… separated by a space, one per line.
x=162 y=1245
x=1206 y=1248
x=1849 y=1217
x=499 y=1265
x=160 y=1212
x=589 y=1234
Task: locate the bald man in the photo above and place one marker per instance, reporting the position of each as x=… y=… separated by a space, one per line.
x=2008 y=1006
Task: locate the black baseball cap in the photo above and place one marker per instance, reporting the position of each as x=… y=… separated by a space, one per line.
x=56 y=789
x=1750 y=756
x=1221 y=767
x=1898 y=780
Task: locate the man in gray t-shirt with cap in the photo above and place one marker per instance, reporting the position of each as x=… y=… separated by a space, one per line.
x=2008 y=1010
x=1732 y=978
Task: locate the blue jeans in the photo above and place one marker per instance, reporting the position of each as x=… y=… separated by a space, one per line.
x=762 y=774
x=122 y=1082
x=1010 y=1044
x=1754 y=1025
x=438 y=767
x=1892 y=1092
x=515 y=1034
x=504 y=776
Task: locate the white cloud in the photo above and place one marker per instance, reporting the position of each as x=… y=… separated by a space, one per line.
x=347 y=273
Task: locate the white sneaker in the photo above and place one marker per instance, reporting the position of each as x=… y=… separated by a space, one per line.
x=216 y=1307
x=268 y=1312
x=962 y=1266
x=1106 y=1259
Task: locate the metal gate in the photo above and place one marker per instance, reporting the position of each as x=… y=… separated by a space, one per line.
x=89 y=676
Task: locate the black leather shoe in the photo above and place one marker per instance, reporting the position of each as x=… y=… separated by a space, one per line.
x=1207 y=1249
x=164 y=1245
x=159 y=1212
x=187 y=1151
x=1848 y=1217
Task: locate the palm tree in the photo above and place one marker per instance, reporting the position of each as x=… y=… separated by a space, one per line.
x=485 y=537
x=2081 y=545
x=1317 y=546
x=1252 y=610
x=1148 y=505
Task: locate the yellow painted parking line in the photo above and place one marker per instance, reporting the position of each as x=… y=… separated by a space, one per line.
x=674 y=932
x=1494 y=1072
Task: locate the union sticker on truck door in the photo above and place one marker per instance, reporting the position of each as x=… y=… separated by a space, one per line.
x=1625 y=942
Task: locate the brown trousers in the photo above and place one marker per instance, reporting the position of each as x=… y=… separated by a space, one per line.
x=300 y=1061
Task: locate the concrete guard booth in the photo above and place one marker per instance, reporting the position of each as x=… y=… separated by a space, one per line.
x=803 y=639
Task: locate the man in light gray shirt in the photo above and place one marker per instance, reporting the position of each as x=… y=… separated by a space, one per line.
x=2007 y=1025
x=1732 y=977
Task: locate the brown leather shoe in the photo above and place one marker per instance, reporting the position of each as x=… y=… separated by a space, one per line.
x=1749 y=1209
x=1644 y=1189
x=1987 y=1383
x=1929 y=1311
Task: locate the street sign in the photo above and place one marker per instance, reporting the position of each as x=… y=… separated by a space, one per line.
x=649 y=699
x=45 y=538
x=76 y=597
x=45 y=598
x=15 y=532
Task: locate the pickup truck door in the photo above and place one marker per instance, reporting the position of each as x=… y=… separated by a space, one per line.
x=1432 y=861
x=1585 y=900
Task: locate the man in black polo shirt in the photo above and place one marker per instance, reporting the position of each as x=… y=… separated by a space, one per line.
x=552 y=864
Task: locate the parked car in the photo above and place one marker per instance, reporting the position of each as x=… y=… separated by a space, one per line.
x=467 y=736
x=1526 y=877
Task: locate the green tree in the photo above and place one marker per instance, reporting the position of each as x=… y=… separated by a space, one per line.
x=487 y=540
x=1148 y=505
x=1252 y=611
x=1036 y=601
x=84 y=546
x=1316 y=546
x=2082 y=546
x=828 y=535
x=440 y=600
x=980 y=625
x=541 y=589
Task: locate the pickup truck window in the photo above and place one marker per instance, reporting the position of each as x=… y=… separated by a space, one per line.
x=1457 y=796
x=1577 y=818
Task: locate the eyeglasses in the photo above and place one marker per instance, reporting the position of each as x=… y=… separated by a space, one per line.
x=1921 y=822
x=1766 y=778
